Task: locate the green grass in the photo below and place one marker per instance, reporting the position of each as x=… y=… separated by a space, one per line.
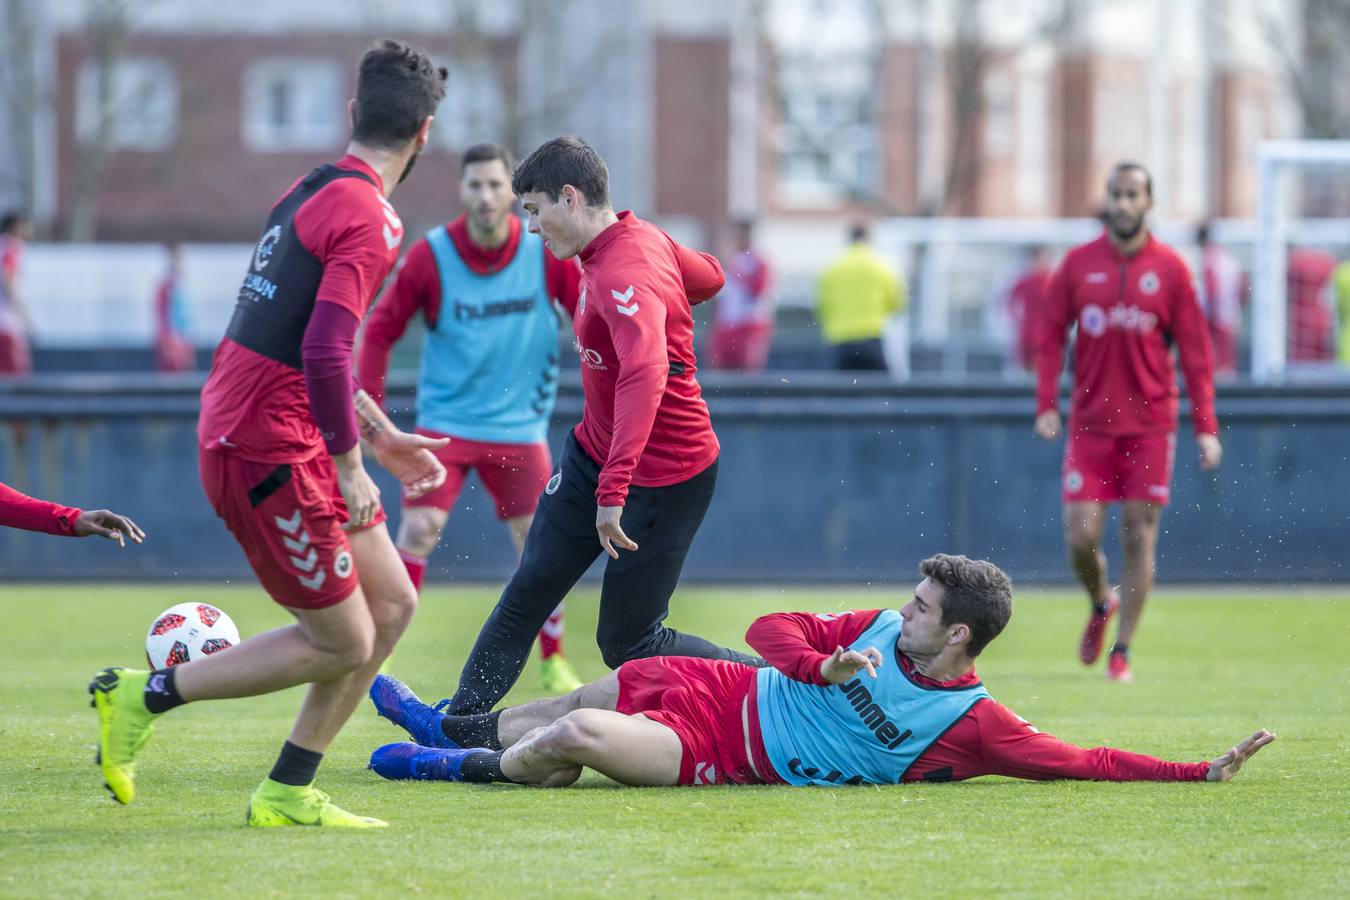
x=1211 y=668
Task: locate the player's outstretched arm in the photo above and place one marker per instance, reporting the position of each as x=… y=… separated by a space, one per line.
x=1228 y=765
x=408 y=457
x=107 y=524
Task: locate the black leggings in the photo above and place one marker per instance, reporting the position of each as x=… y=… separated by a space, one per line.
x=561 y=546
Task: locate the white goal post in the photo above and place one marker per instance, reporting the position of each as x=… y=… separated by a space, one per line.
x=1270 y=317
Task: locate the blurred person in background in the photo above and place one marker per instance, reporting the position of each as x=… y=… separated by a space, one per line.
x=1026 y=305
x=1340 y=285
x=1308 y=293
x=743 y=313
x=15 y=323
x=1221 y=298
x=1132 y=298
x=858 y=293
x=486 y=289
x=173 y=350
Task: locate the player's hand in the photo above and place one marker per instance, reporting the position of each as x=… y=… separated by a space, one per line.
x=359 y=491
x=1211 y=451
x=1048 y=424
x=108 y=524
x=611 y=533
x=843 y=664
x=1228 y=765
x=408 y=458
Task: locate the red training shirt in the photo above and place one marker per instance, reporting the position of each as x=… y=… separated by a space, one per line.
x=1129 y=311
x=258 y=408
x=416 y=286
x=644 y=420
x=989 y=739
x=18 y=510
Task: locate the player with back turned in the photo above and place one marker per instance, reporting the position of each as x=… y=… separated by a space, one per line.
x=1132 y=298
x=280 y=457
x=637 y=473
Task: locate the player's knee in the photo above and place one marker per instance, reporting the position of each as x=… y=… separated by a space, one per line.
x=576 y=732
x=419 y=533
x=616 y=651
x=1080 y=543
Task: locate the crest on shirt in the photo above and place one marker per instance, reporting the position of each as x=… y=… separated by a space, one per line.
x=553 y=483
x=581 y=302
x=263 y=255
x=1093 y=320
x=1149 y=283
x=1073 y=481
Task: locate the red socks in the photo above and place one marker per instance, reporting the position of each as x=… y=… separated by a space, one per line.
x=551 y=635
x=416 y=566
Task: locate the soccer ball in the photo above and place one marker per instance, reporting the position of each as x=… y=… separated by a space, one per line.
x=188 y=631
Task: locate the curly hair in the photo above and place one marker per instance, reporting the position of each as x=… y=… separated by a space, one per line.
x=397 y=87
x=976 y=593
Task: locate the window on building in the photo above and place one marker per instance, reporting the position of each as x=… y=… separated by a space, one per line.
x=133 y=104
x=998 y=115
x=1033 y=143
x=826 y=136
x=472 y=110
x=292 y=104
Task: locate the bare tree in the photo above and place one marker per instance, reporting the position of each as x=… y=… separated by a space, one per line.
x=105 y=29
x=21 y=97
x=1312 y=57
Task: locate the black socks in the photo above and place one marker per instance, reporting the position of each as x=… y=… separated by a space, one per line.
x=473 y=731
x=296 y=765
x=483 y=768
x=160 y=693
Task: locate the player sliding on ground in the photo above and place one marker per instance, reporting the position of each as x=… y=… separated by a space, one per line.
x=870 y=697
x=281 y=462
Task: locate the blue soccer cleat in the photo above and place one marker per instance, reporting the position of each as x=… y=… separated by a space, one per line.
x=413 y=762
x=396 y=702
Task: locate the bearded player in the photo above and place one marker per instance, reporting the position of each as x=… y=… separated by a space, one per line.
x=281 y=460
x=486 y=289
x=1133 y=299
x=877 y=696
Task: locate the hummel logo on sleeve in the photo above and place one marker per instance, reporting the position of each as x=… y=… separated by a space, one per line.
x=624 y=298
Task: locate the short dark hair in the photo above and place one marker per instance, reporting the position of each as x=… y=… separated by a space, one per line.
x=397 y=87
x=857 y=231
x=1127 y=164
x=564 y=160
x=486 y=152
x=11 y=220
x=976 y=593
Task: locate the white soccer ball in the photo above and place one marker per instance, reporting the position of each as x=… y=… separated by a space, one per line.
x=188 y=631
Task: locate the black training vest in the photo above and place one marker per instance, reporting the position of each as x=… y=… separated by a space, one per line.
x=278 y=293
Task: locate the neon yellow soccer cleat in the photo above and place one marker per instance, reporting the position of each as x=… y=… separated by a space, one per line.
x=124 y=725
x=275 y=805
x=558 y=676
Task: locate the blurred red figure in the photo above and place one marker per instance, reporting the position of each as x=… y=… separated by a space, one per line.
x=1222 y=289
x=15 y=358
x=1026 y=305
x=173 y=351
x=1311 y=322
x=743 y=315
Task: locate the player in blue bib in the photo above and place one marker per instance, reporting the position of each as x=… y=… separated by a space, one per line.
x=880 y=696
x=489 y=294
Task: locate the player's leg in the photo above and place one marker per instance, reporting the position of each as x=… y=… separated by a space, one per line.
x=635 y=595
x=1139 y=539
x=1084 y=526
x=419 y=530
x=556 y=673
x=632 y=750
x=561 y=545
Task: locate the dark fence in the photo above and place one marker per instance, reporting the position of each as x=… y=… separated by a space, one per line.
x=825 y=477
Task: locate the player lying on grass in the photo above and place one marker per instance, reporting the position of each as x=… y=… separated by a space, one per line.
x=875 y=697
x=18 y=510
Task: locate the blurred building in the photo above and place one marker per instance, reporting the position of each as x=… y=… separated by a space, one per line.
x=185 y=119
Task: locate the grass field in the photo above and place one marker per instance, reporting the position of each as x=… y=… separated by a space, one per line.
x=1211 y=668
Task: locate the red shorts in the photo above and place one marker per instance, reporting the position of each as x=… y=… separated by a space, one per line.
x=700 y=700
x=1105 y=468
x=744 y=346
x=288 y=518
x=514 y=474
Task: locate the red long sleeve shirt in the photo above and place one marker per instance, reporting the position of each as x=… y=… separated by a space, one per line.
x=989 y=739
x=644 y=421
x=416 y=287
x=1129 y=311
x=18 y=510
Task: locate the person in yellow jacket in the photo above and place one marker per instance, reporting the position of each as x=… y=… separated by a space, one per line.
x=1340 y=284
x=858 y=293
